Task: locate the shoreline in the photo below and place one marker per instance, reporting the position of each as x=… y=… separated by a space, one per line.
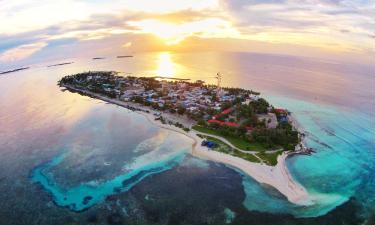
x=276 y=176
x=14 y=70
x=301 y=148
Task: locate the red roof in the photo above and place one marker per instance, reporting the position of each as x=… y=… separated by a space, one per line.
x=215 y=121
x=226 y=111
x=249 y=128
x=229 y=124
x=222 y=113
x=280 y=110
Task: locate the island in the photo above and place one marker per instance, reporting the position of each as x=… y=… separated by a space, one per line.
x=60 y=64
x=14 y=70
x=233 y=126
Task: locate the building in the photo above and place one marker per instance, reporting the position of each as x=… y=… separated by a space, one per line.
x=270 y=120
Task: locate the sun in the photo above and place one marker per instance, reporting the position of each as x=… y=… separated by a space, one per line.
x=172 y=34
x=165 y=65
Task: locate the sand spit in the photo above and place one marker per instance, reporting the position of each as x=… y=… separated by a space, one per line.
x=276 y=176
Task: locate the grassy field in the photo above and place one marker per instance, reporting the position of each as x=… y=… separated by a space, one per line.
x=269 y=158
x=238 y=142
x=222 y=147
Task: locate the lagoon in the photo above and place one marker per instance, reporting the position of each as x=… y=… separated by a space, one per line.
x=57 y=144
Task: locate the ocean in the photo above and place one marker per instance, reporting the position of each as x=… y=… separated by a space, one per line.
x=70 y=159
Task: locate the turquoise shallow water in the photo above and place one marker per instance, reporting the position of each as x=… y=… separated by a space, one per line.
x=98 y=159
x=87 y=151
x=86 y=195
x=342 y=167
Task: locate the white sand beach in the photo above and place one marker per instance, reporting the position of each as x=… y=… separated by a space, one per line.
x=276 y=176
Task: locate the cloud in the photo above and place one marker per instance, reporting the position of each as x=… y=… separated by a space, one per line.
x=21 y=52
x=318 y=23
x=337 y=25
x=127 y=45
x=175 y=33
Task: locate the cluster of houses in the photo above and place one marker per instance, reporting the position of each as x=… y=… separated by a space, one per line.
x=192 y=97
x=270 y=119
x=173 y=94
x=215 y=119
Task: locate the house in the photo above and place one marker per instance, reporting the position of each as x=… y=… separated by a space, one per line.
x=281 y=111
x=215 y=121
x=230 y=124
x=254 y=97
x=221 y=123
x=270 y=120
x=284 y=119
x=226 y=98
x=107 y=89
x=249 y=129
x=192 y=108
x=246 y=102
x=151 y=100
x=224 y=112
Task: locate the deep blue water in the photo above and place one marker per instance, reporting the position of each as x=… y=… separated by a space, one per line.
x=66 y=158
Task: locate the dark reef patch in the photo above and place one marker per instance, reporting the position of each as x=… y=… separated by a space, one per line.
x=139 y=176
x=114 y=219
x=86 y=200
x=345 y=214
x=187 y=194
x=200 y=195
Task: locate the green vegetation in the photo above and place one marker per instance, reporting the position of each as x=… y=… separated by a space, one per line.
x=247 y=121
x=224 y=148
x=236 y=141
x=246 y=156
x=260 y=106
x=269 y=158
x=283 y=135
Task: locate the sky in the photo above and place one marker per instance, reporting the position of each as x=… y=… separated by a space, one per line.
x=37 y=30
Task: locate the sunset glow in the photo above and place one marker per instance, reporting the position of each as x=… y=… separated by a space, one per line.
x=166 y=67
x=303 y=27
x=236 y=112
x=175 y=33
